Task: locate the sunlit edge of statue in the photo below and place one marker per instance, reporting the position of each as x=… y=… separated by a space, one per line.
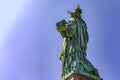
x=73 y=53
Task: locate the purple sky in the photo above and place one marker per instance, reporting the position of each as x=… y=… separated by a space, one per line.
x=30 y=44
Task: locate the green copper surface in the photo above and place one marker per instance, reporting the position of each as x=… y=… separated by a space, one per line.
x=73 y=53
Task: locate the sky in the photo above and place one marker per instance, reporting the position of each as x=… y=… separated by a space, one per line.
x=30 y=44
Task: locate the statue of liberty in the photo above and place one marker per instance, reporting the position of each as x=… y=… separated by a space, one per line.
x=73 y=53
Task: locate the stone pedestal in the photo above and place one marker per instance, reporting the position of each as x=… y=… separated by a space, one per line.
x=76 y=76
x=80 y=76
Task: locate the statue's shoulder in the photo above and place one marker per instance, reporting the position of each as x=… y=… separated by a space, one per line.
x=84 y=22
x=72 y=23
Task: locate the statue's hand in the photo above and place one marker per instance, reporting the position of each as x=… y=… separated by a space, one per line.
x=61 y=29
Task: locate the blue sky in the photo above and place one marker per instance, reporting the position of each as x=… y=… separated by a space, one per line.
x=30 y=44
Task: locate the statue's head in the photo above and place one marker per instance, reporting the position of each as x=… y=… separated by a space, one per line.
x=76 y=13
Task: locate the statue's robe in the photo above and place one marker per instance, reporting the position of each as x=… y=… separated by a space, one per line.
x=73 y=54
